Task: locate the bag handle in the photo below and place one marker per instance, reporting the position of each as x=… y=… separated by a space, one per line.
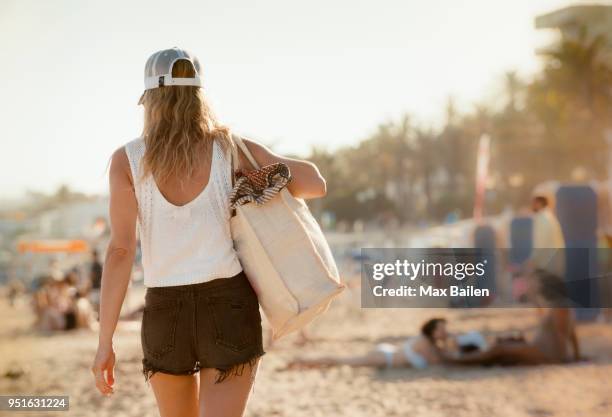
x=240 y=144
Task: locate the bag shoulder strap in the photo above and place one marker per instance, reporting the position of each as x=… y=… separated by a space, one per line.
x=240 y=144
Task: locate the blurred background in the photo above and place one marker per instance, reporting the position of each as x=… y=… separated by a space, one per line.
x=434 y=123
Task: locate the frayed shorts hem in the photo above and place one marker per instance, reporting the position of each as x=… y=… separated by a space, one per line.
x=224 y=372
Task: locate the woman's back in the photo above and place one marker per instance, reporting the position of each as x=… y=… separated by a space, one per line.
x=180 y=191
x=184 y=232
x=553 y=334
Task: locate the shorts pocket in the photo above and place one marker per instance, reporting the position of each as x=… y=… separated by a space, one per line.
x=159 y=321
x=236 y=321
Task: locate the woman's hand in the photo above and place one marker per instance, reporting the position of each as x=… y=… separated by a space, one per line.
x=103 y=369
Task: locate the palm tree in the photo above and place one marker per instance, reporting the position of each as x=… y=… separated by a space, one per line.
x=573 y=99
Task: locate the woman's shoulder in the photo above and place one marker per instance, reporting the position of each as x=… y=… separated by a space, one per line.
x=125 y=157
x=120 y=165
x=120 y=155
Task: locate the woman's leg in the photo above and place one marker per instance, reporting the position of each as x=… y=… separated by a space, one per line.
x=375 y=359
x=228 y=398
x=176 y=395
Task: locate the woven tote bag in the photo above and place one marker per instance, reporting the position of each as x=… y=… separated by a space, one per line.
x=285 y=256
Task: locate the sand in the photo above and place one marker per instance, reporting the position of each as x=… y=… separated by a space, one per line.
x=59 y=364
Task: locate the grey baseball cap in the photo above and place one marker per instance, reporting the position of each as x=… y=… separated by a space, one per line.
x=158 y=69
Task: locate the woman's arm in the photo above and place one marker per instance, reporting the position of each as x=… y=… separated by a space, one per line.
x=306 y=181
x=117 y=265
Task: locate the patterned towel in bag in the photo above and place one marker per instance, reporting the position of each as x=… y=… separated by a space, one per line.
x=260 y=185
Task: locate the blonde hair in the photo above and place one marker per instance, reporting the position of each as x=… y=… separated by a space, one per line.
x=179 y=129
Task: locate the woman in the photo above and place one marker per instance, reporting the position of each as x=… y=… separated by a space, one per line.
x=418 y=352
x=201 y=330
x=555 y=340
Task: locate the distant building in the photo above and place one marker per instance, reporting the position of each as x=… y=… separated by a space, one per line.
x=570 y=21
x=74 y=220
x=79 y=221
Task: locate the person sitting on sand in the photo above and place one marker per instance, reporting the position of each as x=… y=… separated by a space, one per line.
x=59 y=306
x=554 y=335
x=417 y=352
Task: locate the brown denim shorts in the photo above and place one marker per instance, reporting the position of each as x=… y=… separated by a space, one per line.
x=214 y=324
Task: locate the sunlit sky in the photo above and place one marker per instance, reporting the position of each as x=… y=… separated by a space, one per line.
x=291 y=74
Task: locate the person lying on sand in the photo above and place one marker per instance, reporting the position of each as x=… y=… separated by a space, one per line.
x=555 y=333
x=417 y=352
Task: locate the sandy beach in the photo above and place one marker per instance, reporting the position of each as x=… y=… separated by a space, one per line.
x=451 y=154
x=36 y=363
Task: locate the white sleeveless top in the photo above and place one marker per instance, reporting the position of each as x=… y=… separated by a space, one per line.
x=185 y=244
